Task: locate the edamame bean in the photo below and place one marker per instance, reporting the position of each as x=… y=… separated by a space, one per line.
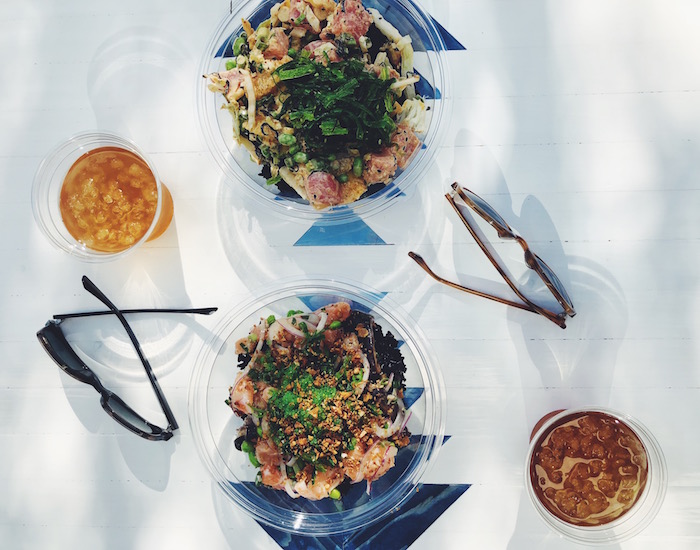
x=253 y=460
x=342 y=178
x=357 y=166
x=334 y=494
x=301 y=157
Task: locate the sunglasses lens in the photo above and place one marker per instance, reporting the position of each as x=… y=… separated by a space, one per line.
x=554 y=280
x=56 y=345
x=487 y=212
x=130 y=419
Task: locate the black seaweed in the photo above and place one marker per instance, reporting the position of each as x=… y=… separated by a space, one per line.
x=243 y=360
x=382 y=350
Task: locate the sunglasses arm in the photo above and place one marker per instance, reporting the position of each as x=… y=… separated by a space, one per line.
x=523 y=306
x=556 y=319
x=92 y=289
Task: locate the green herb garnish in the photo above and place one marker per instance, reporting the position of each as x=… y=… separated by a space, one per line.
x=336 y=107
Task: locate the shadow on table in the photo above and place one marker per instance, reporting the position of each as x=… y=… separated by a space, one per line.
x=149 y=278
x=262 y=246
x=559 y=368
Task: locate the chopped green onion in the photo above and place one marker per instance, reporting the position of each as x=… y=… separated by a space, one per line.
x=335 y=325
x=237 y=45
x=287 y=139
x=270 y=319
x=274 y=180
x=230 y=64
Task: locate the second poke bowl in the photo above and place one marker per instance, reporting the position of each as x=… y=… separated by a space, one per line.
x=322 y=110
x=317 y=407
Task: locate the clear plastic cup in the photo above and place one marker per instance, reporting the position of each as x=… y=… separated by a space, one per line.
x=595 y=476
x=49 y=181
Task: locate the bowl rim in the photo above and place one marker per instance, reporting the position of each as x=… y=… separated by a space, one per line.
x=82 y=142
x=299 y=211
x=431 y=439
x=634 y=520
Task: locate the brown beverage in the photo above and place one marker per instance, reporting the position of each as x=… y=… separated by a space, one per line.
x=589 y=468
x=109 y=199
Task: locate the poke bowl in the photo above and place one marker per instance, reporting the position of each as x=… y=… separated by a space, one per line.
x=362 y=471
x=324 y=126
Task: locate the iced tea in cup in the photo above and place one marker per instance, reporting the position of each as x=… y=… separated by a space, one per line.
x=98 y=197
x=594 y=475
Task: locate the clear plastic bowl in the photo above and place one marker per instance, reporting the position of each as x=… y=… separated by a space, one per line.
x=214 y=425
x=46 y=193
x=631 y=522
x=216 y=123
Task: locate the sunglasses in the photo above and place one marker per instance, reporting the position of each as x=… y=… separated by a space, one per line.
x=54 y=341
x=504 y=231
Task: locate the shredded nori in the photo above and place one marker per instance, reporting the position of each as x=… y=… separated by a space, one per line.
x=336 y=107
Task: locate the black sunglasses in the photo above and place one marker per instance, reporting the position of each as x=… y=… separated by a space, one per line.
x=532 y=260
x=54 y=342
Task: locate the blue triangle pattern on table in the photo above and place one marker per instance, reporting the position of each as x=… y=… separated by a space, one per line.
x=354 y=233
x=397 y=531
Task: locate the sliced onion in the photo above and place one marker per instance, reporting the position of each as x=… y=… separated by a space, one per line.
x=311 y=318
x=289 y=488
x=250 y=94
x=261 y=337
x=394 y=427
x=365 y=375
x=322 y=321
x=405 y=422
x=292 y=461
x=287 y=325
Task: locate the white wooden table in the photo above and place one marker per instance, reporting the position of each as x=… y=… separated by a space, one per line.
x=578 y=120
